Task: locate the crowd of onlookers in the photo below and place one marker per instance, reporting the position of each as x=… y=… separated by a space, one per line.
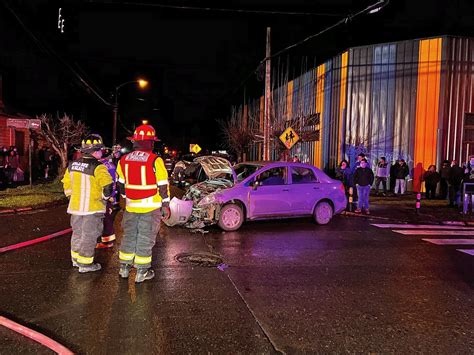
x=445 y=183
x=12 y=174
x=10 y=170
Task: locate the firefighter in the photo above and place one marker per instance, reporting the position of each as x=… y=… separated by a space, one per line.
x=143 y=181
x=88 y=185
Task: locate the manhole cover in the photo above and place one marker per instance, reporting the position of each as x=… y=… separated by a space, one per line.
x=200 y=259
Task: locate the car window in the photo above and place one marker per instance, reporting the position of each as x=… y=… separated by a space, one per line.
x=302 y=176
x=274 y=176
x=243 y=171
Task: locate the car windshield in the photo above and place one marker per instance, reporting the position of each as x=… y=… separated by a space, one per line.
x=243 y=171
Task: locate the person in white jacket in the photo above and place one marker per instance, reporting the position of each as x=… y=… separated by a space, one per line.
x=381 y=174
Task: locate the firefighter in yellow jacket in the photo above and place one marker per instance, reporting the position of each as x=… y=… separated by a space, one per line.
x=88 y=184
x=143 y=180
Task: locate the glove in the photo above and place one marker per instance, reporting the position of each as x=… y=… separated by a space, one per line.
x=165 y=213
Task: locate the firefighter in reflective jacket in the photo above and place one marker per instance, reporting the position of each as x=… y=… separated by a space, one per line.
x=143 y=181
x=88 y=184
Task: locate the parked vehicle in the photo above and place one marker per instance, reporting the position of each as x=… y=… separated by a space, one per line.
x=258 y=190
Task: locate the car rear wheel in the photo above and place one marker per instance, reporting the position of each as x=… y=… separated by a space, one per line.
x=323 y=213
x=231 y=217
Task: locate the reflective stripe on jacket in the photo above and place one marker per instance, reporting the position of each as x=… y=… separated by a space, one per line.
x=87 y=182
x=149 y=203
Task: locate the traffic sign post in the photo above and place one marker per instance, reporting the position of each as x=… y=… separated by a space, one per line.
x=289 y=137
x=194 y=148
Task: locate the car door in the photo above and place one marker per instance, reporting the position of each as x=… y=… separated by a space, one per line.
x=304 y=189
x=271 y=197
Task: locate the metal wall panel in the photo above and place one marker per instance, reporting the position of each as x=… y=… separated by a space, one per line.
x=326 y=115
x=406 y=71
x=458 y=96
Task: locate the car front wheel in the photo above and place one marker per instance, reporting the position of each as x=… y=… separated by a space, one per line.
x=231 y=217
x=323 y=213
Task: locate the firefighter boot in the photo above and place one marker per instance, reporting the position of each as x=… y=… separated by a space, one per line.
x=124 y=270
x=89 y=268
x=144 y=274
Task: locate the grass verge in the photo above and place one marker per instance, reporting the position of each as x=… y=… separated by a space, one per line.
x=38 y=195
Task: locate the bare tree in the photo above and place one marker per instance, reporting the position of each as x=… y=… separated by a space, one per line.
x=61 y=133
x=236 y=135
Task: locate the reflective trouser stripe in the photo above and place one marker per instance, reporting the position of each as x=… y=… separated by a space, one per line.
x=74 y=254
x=109 y=238
x=142 y=260
x=84 y=260
x=126 y=256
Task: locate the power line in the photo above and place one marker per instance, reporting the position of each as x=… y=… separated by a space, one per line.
x=215 y=9
x=369 y=9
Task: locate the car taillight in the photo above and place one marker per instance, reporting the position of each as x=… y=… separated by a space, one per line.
x=341 y=187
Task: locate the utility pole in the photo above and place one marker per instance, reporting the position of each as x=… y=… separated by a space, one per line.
x=268 y=101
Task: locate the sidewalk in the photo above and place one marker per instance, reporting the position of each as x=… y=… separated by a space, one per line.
x=402 y=209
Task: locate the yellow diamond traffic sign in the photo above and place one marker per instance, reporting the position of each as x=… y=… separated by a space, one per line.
x=194 y=148
x=289 y=137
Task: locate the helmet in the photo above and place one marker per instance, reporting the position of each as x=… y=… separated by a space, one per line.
x=92 y=143
x=144 y=133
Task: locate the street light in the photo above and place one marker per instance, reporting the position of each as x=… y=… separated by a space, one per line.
x=142 y=83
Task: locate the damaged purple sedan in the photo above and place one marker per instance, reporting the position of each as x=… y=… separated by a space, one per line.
x=257 y=190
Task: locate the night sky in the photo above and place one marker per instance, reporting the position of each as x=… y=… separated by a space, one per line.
x=194 y=60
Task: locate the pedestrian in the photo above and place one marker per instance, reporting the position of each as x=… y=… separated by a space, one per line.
x=363 y=179
x=456 y=175
x=393 y=175
x=402 y=172
x=360 y=157
x=88 y=185
x=143 y=181
x=344 y=174
x=296 y=159
x=381 y=175
x=48 y=156
x=3 y=165
x=107 y=239
x=431 y=179
x=443 y=183
x=12 y=165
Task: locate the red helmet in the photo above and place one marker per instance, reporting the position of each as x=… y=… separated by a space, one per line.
x=144 y=133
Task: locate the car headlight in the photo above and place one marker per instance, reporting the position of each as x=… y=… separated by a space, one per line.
x=211 y=198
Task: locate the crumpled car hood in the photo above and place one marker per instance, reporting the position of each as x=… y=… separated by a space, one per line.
x=215 y=166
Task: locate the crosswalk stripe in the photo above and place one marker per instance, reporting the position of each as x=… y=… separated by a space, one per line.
x=421 y=226
x=450 y=241
x=434 y=232
x=467 y=251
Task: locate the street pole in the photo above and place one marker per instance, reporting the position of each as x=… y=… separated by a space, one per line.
x=267 y=113
x=115 y=111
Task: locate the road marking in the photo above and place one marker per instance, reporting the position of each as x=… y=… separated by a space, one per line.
x=467 y=251
x=434 y=232
x=450 y=241
x=421 y=226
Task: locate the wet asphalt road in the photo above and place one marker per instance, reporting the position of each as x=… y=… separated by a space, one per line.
x=291 y=287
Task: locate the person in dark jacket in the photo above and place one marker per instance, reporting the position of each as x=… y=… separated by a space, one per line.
x=444 y=174
x=363 y=179
x=402 y=173
x=393 y=175
x=431 y=179
x=344 y=174
x=456 y=175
